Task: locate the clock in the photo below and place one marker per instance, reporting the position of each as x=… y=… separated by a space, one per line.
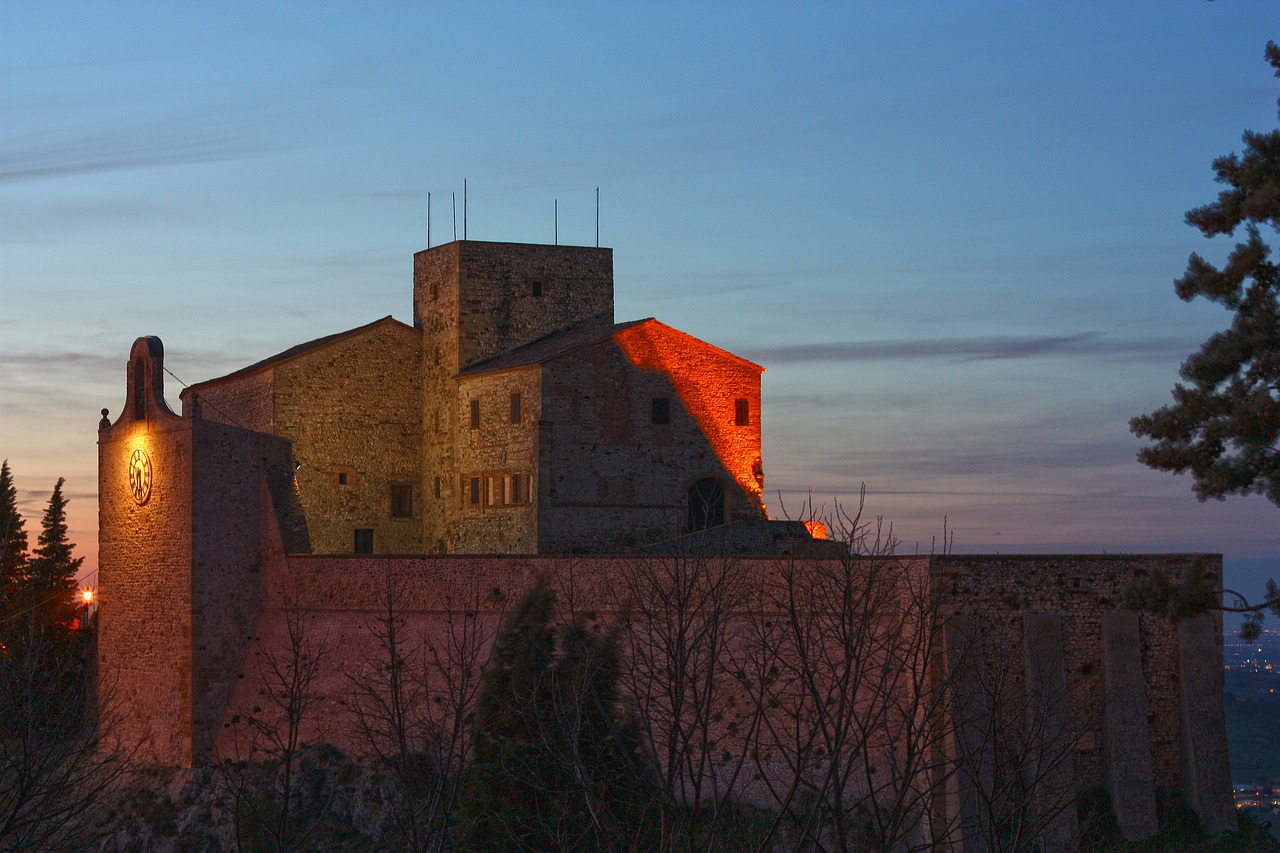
x=140 y=476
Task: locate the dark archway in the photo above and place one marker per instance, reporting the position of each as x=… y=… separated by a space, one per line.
x=706 y=504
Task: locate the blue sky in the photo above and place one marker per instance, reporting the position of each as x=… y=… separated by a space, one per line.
x=949 y=231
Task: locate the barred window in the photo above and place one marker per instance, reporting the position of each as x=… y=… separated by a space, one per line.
x=402 y=500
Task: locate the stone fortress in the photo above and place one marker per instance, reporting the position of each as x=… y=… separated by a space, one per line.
x=516 y=431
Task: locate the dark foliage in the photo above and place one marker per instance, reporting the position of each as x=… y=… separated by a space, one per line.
x=50 y=581
x=556 y=765
x=13 y=543
x=1224 y=424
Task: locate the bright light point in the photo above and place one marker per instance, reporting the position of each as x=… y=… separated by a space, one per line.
x=86 y=595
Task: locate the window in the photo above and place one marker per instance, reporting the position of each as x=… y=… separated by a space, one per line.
x=535 y=287
x=661 y=410
x=439 y=486
x=515 y=408
x=342 y=478
x=139 y=391
x=706 y=504
x=475 y=414
x=475 y=490
x=435 y=290
x=517 y=489
x=742 y=412
x=364 y=540
x=402 y=500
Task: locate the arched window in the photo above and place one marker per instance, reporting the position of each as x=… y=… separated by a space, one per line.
x=706 y=504
x=139 y=391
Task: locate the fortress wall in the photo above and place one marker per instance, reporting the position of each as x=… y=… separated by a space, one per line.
x=1003 y=589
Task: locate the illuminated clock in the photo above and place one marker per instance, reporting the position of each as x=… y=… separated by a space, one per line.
x=140 y=476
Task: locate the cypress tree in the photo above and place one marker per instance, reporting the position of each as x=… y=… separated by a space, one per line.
x=555 y=764
x=506 y=796
x=13 y=542
x=50 y=582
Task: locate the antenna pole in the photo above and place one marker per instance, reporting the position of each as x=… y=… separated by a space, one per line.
x=557 y=221
x=455 y=217
x=428 y=220
x=597 y=217
x=464 y=208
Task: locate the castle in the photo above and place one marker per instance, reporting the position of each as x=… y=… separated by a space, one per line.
x=515 y=432
x=514 y=417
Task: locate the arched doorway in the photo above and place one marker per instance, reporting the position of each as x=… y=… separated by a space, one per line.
x=706 y=504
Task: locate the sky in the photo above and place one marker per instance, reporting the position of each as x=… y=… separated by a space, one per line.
x=949 y=231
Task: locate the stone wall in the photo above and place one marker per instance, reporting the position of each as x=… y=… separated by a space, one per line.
x=1127 y=676
x=501 y=456
x=613 y=480
x=144 y=555
x=352 y=406
x=245 y=401
x=353 y=409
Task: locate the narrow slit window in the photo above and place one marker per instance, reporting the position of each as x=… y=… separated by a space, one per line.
x=661 y=413
x=742 y=412
x=475 y=414
x=438 y=487
x=517 y=488
x=139 y=391
x=475 y=490
x=342 y=478
x=535 y=288
x=515 y=408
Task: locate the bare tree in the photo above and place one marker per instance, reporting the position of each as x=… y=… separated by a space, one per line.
x=684 y=629
x=61 y=748
x=264 y=798
x=849 y=744
x=411 y=697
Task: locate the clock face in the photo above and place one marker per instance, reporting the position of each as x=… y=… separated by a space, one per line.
x=140 y=476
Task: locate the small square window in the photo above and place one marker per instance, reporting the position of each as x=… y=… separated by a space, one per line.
x=342 y=478
x=475 y=490
x=364 y=540
x=515 y=408
x=742 y=412
x=475 y=414
x=661 y=410
x=402 y=500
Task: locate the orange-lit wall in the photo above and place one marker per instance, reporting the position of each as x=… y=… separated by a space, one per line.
x=612 y=479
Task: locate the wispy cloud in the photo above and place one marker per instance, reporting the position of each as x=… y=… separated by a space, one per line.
x=35 y=156
x=987 y=348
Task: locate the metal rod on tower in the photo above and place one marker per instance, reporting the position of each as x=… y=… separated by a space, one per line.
x=455 y=217
x=556 y=217
x=597 y=217
x=428 y=220
x=464 y=208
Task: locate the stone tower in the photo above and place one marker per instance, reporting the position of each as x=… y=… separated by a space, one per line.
x=473 y=300
x=184 y=519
